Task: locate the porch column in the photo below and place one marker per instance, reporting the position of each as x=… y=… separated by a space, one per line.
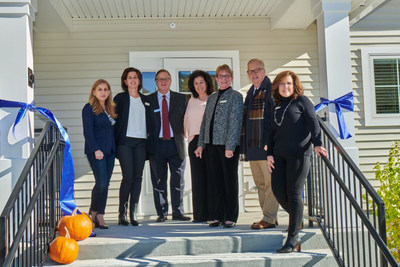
x=335 y=63
x=16 y=19
x=335 y=81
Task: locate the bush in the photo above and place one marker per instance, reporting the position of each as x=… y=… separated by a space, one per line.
x=389 y=177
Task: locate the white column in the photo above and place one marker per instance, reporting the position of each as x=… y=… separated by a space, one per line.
x=335 y=63
x=335 y=81
x=16 y=19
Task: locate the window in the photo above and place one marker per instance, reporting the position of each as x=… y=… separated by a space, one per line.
x=149 y=82
x=381 y=83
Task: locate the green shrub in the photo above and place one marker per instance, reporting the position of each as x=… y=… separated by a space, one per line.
x=389 y=177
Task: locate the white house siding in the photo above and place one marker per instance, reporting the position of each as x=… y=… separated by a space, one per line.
x=378 y=29
x=66 y=65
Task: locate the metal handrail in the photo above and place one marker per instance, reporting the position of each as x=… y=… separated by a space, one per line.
x=346 y=207
x=27 y=223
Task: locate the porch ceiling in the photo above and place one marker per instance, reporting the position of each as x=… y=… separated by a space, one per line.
x=284 y=14
x=168 y=8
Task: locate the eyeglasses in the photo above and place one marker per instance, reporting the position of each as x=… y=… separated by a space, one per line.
x=163 y=79
x=254 y=71
x=227 y=76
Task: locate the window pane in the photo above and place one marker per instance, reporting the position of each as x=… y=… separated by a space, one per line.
x=213 y=74
x=386 y=75
x=387 y=100
x=183 y=81
x=385 y=71
x=149 y=83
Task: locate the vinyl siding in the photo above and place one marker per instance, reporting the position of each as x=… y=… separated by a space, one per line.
x=66 y=65
x=378 y=29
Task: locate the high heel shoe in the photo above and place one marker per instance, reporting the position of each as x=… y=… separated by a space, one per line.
x=289 y=247
x=214 y=223
x=229 y=224
x=98 y=225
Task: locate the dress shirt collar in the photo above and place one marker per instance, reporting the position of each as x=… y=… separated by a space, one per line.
x=255 y=89
x=167 y=95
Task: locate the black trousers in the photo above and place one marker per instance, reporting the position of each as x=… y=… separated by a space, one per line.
x=132 y=156
x=167 y=156
x=225 y=184
x=202 y=196
x=288 y=179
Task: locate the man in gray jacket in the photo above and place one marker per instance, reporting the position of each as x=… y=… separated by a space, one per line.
x=255 y=131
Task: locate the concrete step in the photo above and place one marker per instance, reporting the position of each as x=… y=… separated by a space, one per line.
x=134 y=244
x=176 y=243
x=321 y=257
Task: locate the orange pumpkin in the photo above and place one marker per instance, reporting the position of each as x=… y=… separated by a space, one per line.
x=79 y=226
x=64 y=250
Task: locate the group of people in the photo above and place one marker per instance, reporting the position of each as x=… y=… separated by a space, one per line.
x=274 y=129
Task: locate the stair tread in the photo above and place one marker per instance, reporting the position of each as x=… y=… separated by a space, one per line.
x=246 y=257
x=159 y=233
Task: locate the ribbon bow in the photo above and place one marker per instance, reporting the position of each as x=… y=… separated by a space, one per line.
x=347 y=102
x=67 y=202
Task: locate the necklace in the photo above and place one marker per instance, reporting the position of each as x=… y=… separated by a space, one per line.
x=283 y=114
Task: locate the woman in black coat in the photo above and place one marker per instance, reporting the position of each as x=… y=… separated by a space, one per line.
x=131 y=133
x=294 y=130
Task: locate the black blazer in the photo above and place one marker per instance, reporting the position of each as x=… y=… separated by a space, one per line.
x=122 y=103
x=177 y=109
x=98 y=132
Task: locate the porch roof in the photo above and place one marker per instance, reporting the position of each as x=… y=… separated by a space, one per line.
x=288 y=14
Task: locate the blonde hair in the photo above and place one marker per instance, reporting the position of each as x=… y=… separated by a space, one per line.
x=109 y=104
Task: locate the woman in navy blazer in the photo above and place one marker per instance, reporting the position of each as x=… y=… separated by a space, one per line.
x=131 y=134
x=98 y=119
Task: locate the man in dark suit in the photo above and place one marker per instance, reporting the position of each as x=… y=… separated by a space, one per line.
x=167 y=109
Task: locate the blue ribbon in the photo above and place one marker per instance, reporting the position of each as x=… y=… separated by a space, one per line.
x=346 y=102
x=67 y=202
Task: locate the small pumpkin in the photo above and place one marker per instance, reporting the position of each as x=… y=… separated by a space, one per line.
x=64 y=250
x=79 y=226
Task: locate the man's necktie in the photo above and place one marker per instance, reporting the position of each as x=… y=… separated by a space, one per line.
x=165 y=120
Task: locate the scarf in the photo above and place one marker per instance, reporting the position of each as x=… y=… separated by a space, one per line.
x=253 y=118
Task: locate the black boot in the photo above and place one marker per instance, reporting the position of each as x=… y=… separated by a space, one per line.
x=132 y=216
x=292 y=244
x=122 y=220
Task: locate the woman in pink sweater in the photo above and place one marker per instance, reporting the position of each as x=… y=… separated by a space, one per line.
x=201 y=86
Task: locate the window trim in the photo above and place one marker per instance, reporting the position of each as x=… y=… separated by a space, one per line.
x=368 y=54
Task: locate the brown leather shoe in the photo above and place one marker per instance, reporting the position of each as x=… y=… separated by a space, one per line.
x=262 y=225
